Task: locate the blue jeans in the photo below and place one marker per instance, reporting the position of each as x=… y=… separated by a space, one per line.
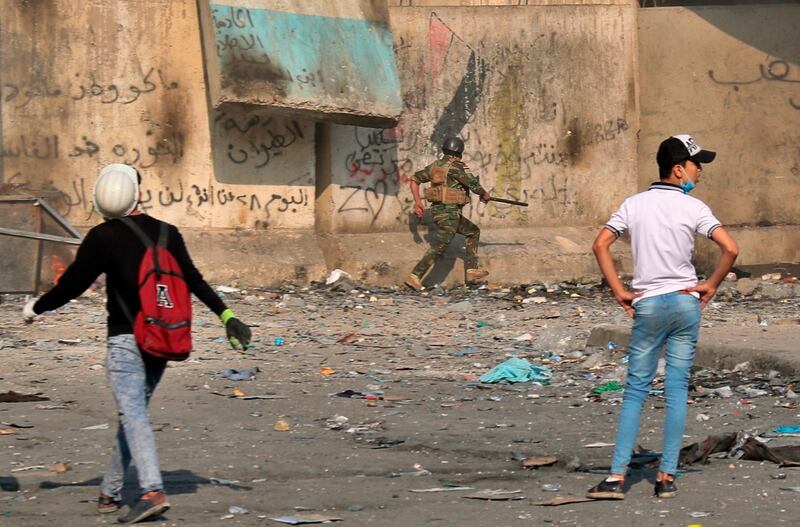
x=133 y=376
x=672 y=319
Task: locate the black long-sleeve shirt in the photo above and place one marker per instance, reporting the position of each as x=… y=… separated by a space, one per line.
x=113 y=248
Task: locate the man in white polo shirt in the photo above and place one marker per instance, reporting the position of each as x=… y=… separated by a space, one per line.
x=665 y=300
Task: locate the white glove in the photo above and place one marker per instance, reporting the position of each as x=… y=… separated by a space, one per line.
x=27 y=312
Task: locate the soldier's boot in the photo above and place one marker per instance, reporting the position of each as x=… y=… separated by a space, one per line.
x=476 y=274
x=413 y=282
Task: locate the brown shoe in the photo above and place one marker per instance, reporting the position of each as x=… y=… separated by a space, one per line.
x=107 y=504
x=476 y=274
x=413 y=282
x=149 y=505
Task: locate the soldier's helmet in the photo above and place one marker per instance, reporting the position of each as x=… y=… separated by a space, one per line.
x=453 y=146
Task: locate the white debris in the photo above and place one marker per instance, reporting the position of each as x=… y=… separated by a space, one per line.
x=336 y=275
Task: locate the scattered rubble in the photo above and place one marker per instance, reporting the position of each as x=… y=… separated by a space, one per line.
x=358 y=371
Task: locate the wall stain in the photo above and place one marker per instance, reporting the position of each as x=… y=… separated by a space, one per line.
x=465 y=100
x=300 y=272
x=237 y=74
x=574 y=139
x=507 y=113
x=376 y=11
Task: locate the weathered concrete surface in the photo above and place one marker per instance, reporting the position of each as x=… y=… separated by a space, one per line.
x=766 y=348
x=511 y=255
x=495 y=3
x=729 y=76
x=132 y=90
x=270 y=258
x=545 y=95
x=760 y=245
x=263 y=167
x=434 y=415
x=321 y=60
x=256 y=258
x=545 y=98
x=75 y=99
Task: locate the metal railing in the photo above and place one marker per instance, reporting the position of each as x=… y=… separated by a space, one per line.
x=45 y=210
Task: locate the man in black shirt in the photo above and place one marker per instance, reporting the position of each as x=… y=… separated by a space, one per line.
x=113 y=248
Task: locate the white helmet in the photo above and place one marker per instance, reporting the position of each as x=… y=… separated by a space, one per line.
x=116 y=191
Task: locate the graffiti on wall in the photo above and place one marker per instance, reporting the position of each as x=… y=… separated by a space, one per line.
x=238 y=41
x=778 y=71
x=303 y=58
x=464 y=102
x=86 y=87
x=240 y=45
x=150 y=152
x=378 y=167
x=254 y=139
x=74 y=197
x=77 y=93
x=253 y=142
x=521 y=139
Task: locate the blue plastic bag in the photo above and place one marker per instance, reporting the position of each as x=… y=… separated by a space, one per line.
x=517 y=370
x=787 y=430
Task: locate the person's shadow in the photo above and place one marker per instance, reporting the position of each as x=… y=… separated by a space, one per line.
x=644 y=467
x=444 y=266
x=175 y=482
x=637 y=476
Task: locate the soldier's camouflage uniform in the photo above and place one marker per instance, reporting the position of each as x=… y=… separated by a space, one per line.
x=448 y=218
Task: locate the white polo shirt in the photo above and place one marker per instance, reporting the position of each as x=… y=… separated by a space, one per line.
x=663 y=222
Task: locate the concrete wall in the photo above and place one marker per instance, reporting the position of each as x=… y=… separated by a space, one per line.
x=730 y=75
x=545 y=94
x=82 y=87
x=90 y=83
x=318 y=60
x=495 y=3
x=520 y=85
x=93 y=82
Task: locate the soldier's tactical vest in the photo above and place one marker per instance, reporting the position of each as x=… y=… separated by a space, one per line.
x=440 y=192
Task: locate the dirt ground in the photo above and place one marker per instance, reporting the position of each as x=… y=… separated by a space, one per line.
x=428 y=422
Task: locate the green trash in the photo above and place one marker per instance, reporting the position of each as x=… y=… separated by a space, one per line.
x=610 y=386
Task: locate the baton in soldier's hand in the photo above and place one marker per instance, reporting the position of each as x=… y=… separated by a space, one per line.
x=509 y=201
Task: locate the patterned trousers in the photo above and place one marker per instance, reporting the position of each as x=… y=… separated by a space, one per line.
x=450 y=222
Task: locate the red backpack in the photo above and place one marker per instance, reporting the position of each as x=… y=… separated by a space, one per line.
x=163 y=326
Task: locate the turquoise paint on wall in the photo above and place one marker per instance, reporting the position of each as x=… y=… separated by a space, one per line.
x=307 y=57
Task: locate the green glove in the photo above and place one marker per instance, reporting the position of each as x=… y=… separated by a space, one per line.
x=238 y=332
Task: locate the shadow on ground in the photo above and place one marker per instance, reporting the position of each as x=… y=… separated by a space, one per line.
x=175 y=482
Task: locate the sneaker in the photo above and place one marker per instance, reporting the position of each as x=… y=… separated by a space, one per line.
x=150 y=504
x=607 y=490
x=413 y=282
x=476 y=274
x=666 y=488
x=107 y=504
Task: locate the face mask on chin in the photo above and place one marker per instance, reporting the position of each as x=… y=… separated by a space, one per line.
x=686 y=185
